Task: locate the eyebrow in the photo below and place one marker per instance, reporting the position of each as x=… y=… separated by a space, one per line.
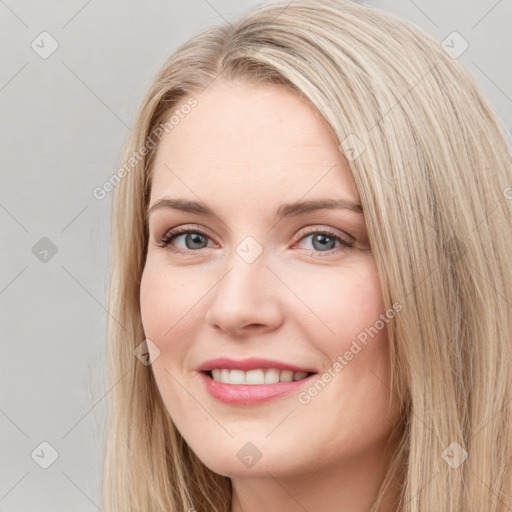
x=286 y=210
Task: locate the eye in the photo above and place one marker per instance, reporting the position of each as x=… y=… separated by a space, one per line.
x=324 y=240
x=184 y=239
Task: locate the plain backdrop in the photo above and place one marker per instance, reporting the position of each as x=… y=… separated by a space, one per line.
x=64 y=117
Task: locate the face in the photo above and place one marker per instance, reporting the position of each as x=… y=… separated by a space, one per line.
x=262 y=304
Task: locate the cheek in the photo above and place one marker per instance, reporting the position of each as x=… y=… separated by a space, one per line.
x=168 y=317
x=155 y=300
x=349 y=329
x=341 y=304
x=162 y=305
x=167 y=303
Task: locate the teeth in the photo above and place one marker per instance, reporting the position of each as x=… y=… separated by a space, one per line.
x=271 y=376
x=237 y=377
x=224 y=376
x=256 y=377
x=286 y=376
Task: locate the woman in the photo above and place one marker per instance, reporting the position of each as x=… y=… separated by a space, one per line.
x=310 y=289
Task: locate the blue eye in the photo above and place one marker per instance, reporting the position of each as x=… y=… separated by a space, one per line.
x=194 y=239
x=322 y=241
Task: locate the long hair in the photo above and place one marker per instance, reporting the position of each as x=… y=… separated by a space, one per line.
x=434 y=174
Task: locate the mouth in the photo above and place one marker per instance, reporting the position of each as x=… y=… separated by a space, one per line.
x=251 y=381
x=255 y=377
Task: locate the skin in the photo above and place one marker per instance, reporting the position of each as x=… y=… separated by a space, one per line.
x=244 y=150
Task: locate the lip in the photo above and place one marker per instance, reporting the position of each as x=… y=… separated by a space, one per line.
x=250 y=394
x=251 y=363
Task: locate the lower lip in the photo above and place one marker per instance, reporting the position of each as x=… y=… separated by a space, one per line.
x=250 y=394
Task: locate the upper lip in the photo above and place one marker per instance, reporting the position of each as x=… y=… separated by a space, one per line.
x=251 y=363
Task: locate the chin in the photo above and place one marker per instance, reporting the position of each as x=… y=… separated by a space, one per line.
x=230 y=465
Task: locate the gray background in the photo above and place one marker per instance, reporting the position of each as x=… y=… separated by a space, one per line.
x=64 y=120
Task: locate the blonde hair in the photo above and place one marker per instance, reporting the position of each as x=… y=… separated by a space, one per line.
x=433 y=172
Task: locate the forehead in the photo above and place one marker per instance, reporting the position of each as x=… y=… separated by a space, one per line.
x=260 y=140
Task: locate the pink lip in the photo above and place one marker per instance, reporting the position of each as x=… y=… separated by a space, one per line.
x=252 y=363
x=249 y=394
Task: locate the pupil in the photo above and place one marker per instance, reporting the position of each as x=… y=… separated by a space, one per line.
x=324 y=240
x=196 y=239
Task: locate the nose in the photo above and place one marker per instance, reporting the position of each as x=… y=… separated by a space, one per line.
x=246 y=300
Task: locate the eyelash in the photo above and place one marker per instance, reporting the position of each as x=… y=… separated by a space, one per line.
x=171 y=235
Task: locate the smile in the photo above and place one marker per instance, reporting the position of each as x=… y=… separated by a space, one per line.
x=256 y=377
x=251 y=381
